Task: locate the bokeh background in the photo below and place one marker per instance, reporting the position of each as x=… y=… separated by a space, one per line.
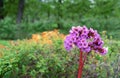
x=32 y=34
x=22 y=18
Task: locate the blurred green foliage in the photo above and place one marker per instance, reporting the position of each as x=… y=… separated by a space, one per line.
x=27 y=59
x=4 y=42
x=41 y=15
x=33 y=60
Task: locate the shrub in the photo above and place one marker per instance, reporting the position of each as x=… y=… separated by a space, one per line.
x=11 y=30
x=7 y=28
x=31 y=59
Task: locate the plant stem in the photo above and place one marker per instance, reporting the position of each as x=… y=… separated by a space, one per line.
x=80 y=65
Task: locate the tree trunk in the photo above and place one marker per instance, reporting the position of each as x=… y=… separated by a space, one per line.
x=1 y=9
x=59 y=17
x=19 y=33
x=20 y=10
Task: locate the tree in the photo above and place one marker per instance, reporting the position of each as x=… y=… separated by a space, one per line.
x=1 y=9
x=20 y=10
x=104 y=8
x=21 y=4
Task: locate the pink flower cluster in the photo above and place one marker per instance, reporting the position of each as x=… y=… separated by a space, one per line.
x=85 y=39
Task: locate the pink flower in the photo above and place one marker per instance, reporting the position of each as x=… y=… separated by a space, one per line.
x=85 y=39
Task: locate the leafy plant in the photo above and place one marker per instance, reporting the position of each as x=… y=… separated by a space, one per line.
x=28 y=58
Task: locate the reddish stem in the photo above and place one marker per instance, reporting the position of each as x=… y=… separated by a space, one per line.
x=81 y=63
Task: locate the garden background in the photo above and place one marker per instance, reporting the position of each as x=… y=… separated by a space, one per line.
x=32 y=33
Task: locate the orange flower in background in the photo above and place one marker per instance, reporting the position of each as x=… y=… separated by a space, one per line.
x=36 y=37
x=47 y=37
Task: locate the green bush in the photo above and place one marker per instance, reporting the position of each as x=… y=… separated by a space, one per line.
x=107 y=66
x=111 y=25
x=7 y=28
x=10 y=30
x=30 y=59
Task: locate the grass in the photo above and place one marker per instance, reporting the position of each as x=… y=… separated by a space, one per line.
x=4 y=42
